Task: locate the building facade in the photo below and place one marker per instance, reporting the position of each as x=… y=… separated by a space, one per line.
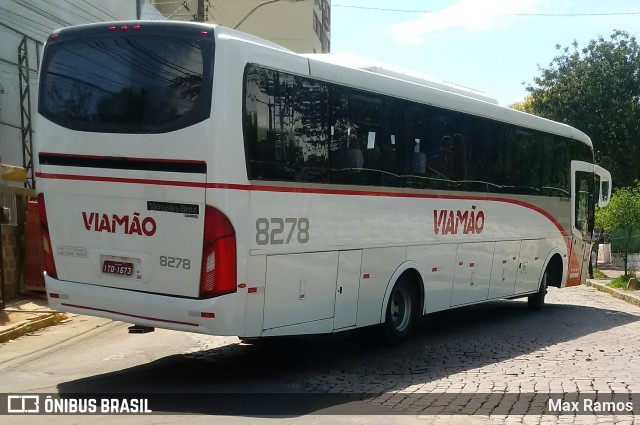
x=303 y=26
x=24 y=28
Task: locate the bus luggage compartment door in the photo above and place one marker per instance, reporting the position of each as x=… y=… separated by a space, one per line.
x=300 y=289
x=347 y=289
x=473 y=272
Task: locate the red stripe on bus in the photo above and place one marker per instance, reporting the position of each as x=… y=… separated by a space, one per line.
x=322 y=191
x=301 y=190
x=129 y=315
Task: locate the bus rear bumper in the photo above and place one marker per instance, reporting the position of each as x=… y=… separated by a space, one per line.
x=208 y=316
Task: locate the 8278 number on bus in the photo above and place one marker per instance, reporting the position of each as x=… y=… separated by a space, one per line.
x=279 y=231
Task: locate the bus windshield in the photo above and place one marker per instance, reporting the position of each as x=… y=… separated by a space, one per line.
x=127 y=82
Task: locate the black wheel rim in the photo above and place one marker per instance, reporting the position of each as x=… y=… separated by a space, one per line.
x=400 y=309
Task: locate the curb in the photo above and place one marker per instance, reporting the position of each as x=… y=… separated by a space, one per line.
x=31 y=326
x=616 y=293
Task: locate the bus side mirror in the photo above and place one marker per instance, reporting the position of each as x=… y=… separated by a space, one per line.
x=605 y=186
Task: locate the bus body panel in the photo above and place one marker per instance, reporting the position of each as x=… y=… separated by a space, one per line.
x=253 y=296
x=347 y=289
x=378 y=265
x=300 y=288
x=532 y=255
x=472 y=275
x=436 y=266
x=504 y=270
x=100 y=226
x=335 y=220
x=310 y=257
x=154 y=310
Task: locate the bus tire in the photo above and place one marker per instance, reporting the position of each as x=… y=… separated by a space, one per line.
x=536 y=301
x=401 y=313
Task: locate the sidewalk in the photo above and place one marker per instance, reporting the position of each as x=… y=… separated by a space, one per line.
x=26 y=315
x=612 y=272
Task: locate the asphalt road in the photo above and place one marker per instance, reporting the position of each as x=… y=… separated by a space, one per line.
x=582 y=342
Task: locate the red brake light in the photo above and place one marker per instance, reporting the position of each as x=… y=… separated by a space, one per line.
x=49 y=263
x=111 y=28
x=136 y=27
x=218 y=273
x=124 y=27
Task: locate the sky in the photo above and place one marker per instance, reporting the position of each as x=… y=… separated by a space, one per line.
x=489 y=45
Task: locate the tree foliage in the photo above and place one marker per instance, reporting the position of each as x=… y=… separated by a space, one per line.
x=622 y=215
x=524 y=106
x=597 y=90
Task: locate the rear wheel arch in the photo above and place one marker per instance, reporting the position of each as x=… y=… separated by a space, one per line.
x=551 y=276
x=555 y=270
x=408 y=271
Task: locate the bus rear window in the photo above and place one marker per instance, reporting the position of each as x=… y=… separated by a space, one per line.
x=127 y=83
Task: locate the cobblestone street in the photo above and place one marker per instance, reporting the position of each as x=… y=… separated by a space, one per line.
x=583 y=342
x=498 y=359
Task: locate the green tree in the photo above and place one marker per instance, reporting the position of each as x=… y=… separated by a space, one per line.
x=524 y=106
x=622 y=215
x=597 y=90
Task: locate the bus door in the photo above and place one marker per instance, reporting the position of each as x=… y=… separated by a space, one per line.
x=582 y=219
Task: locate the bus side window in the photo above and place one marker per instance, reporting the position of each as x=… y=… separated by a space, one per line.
x=310 y=123
x=388 y=137
x=342 y=162
x=365 y=117
x=584 y=203
x=285 y=127
x=414 y=160
x=554 y=179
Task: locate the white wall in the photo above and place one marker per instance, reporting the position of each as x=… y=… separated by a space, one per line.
x=36 y=19
x=633 y=261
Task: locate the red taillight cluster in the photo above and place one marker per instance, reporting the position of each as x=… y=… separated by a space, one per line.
x=112 y=28
x=49 y=263
x=218 y=275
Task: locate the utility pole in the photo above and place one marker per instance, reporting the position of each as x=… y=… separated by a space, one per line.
x=200 y=13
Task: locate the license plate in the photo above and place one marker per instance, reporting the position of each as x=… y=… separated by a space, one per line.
x=117 y=267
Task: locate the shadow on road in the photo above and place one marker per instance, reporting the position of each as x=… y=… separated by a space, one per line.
x=254 y=378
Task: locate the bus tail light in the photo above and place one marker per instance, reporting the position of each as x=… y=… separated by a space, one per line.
x=49 y=263
x=218 y=276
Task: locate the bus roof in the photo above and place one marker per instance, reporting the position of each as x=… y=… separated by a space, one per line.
x=365 y=64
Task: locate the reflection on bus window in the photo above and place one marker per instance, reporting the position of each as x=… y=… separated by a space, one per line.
x=300 y=129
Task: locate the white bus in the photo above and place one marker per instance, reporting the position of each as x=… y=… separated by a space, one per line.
x=200 y=179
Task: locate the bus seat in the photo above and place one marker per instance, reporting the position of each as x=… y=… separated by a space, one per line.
x=355 y=159
x=418 y=163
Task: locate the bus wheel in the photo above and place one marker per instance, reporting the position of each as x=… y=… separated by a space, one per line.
x=536 y=301
x=402 y=311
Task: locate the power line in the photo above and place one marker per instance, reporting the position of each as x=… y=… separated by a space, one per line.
x=101 y=10
x=43 y=13
x=25 y=28
x=564 y=15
